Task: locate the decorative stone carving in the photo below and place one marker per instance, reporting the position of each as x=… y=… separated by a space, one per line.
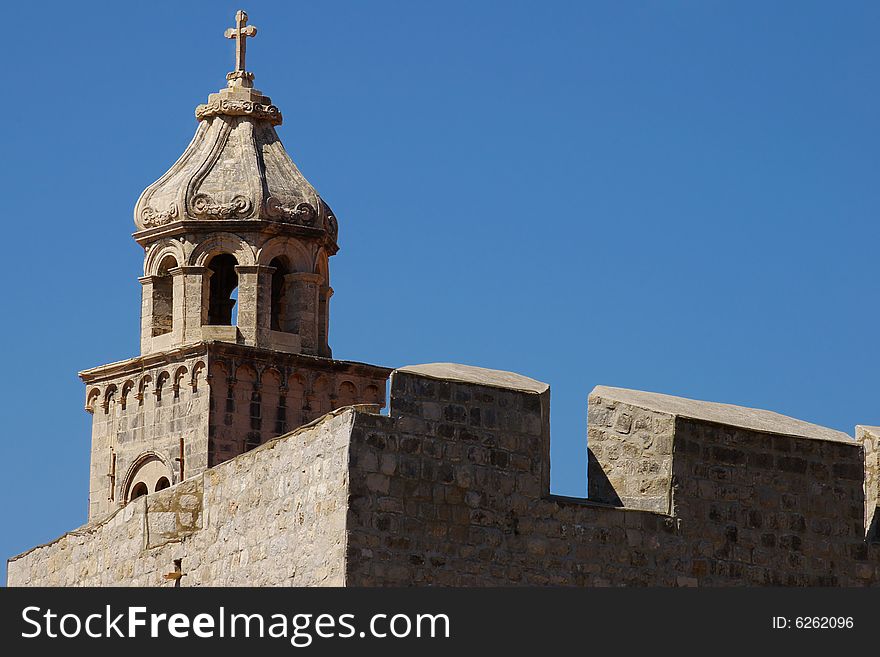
x=152 y=218
x=232 y=107
x=302 y=213
x=204 y=207
x=236 y=169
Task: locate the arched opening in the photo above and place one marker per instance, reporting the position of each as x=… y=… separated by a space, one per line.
x=224 y=290
x=280 y=302
x=148 y=473
x=163 y=297
x=138 y=490
x=92 y=400
x=348 y=394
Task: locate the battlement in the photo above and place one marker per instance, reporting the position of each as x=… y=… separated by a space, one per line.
x=452 y=488
x=637 y=439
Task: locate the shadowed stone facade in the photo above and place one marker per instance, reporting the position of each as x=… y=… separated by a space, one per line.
x=236 y=451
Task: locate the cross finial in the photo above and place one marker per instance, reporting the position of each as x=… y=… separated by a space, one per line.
x=240 y=33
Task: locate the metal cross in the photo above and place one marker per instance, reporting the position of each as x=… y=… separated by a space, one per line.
x=240 y=33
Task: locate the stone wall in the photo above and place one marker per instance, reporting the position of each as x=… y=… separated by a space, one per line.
x=712 y=494
x=257 y=395
x=141 y=413
x=274 y=516
x=768 y=509
x=453 y=489
x=217 y=400
x=869 y=437
x=634 y=447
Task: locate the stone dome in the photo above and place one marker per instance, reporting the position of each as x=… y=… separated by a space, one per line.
x=236 y=169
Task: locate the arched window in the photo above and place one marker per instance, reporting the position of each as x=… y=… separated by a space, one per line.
x=139 y=490
x=148 y=473
x=224 y=290
x=163 y=297
x=280 y=302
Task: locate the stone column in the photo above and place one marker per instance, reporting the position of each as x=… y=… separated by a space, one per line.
x=264 y=305
x=196 y=282
x=302 y=300
x=254 y=303
x=324 y=321
x=178 y=310
x=146 y=314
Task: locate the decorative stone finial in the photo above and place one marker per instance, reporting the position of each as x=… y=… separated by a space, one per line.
x=239 y=98
x=240 y=77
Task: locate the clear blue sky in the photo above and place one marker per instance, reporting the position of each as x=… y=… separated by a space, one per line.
x=670 y=196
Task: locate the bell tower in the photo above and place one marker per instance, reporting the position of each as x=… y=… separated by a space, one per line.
x=235 y=233
x=235 y=307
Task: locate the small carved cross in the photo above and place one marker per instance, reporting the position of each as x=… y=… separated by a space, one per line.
x=240 y=33
x=176 y=574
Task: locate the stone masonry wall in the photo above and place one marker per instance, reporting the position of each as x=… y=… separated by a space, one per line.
x=453 y=489
x=869 y=437
x=274 y=516
x=441 y=496
x=219 y=399
x=634 y=446
x=258 y=395
x=768 y=509
x=144 y=412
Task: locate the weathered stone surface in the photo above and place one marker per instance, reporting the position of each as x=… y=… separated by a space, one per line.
x=869 y=437
x=272 y=517
x=736 y=416
x=216 y=400
x=478 y=375
x=459 y=498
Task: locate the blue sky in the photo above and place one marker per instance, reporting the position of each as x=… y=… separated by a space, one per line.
x=670 y=196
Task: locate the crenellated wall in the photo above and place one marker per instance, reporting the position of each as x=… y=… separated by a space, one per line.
x=452 y=488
